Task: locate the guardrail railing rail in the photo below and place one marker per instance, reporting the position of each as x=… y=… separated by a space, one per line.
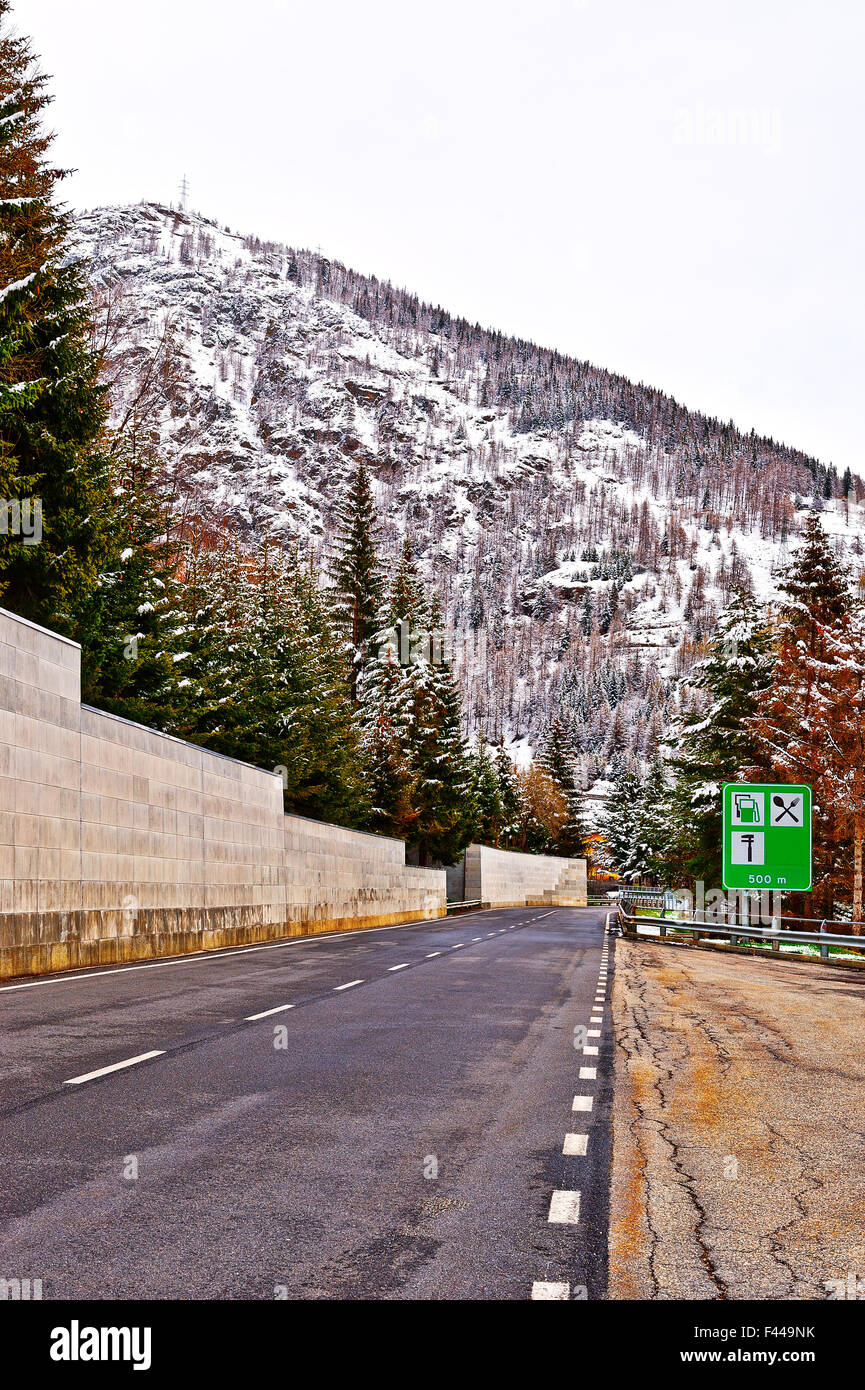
x=744 y=931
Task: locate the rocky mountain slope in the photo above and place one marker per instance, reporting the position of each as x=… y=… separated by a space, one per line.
x=583 y=532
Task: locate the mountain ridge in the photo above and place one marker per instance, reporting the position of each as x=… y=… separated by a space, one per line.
x=277 y=370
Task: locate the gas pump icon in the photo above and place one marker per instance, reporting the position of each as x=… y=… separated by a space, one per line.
x=746 y=809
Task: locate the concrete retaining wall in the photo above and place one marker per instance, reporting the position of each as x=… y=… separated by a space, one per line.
x=504 y=878
x=120 y=843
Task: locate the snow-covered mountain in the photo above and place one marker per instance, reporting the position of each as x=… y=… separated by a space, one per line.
x=582 y=531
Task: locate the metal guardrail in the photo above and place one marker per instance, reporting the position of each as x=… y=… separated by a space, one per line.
x=694 y=928
x=463 y=906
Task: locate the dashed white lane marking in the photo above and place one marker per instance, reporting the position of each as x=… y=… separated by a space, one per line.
x=350 y=985
x=404 y=966
x=457 y=946
x=430 y=954
x=590 y=1051
x=550 y=1293
x=575 y=1144
x=205 y=957
x=280 y=1009
x=588 y=1073
x=480 y=938
x=583 y=1102
x=565 y=1208
x=593 y=1032
x=116 y=1066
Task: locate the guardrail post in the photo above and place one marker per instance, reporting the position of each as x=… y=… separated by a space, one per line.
x=663 y=927
x=824 y=948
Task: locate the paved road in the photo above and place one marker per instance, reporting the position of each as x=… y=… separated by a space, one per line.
x=397 y=1133
x=739 y=1127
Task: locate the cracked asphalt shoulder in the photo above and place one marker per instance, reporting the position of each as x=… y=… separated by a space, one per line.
x=738 y=1127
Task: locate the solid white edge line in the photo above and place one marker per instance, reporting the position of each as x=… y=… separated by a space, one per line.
x=349 y=985
x=280 y=1009
x=203 y=957
x=116 y=1066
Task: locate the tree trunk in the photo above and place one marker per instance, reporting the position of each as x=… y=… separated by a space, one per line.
x=857 y=876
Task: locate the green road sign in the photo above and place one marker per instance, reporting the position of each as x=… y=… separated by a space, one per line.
x=767 y=836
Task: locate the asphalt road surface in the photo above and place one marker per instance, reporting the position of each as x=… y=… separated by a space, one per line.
x=376 y=1115
x=738 y=1127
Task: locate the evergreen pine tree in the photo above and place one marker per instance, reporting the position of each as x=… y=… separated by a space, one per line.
x=486 y=797
x=790 y=735
x=355 y=571
x=717 y=744
x=572 y=841
x=556 y=755
x=619 y=823
x=509 y=793
x=51 y=405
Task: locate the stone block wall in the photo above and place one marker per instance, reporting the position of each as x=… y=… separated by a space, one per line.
x=504 y=878
x=119 y=843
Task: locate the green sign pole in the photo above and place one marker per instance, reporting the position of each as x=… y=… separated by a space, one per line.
x=767 y=836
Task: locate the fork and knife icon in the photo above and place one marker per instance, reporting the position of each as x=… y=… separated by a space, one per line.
x=782 y=810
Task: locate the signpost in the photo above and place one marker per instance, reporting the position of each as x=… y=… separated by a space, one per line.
x=767 y=836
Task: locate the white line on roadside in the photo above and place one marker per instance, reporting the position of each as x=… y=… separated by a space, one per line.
x=543 y=1292
x=116 y=1066
x=583 y=1103
x=430 y=954
x=280 y=1009
x=565 y=1208
x=590 y=1051
x=575 y=1145
x=404 y=966
x=593 y=1032
x=588 y=1073
x=205 y=957
x=350 y=985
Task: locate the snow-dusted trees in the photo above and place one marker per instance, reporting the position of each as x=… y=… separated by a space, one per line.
x=808 y=728
x=51 y=406
x=416 y=766
x=715 y=743
x=355 y=571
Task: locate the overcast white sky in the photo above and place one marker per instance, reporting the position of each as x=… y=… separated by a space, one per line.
x=673 y=190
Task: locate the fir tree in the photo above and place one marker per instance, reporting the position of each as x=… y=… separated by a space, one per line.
x=51 y=405
x=509 y=792
x=717 y=744
x=572 y=840
x=486 y=797
x=355 y=571
x=790 y=735
x=619 y=823
x=556 y=755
